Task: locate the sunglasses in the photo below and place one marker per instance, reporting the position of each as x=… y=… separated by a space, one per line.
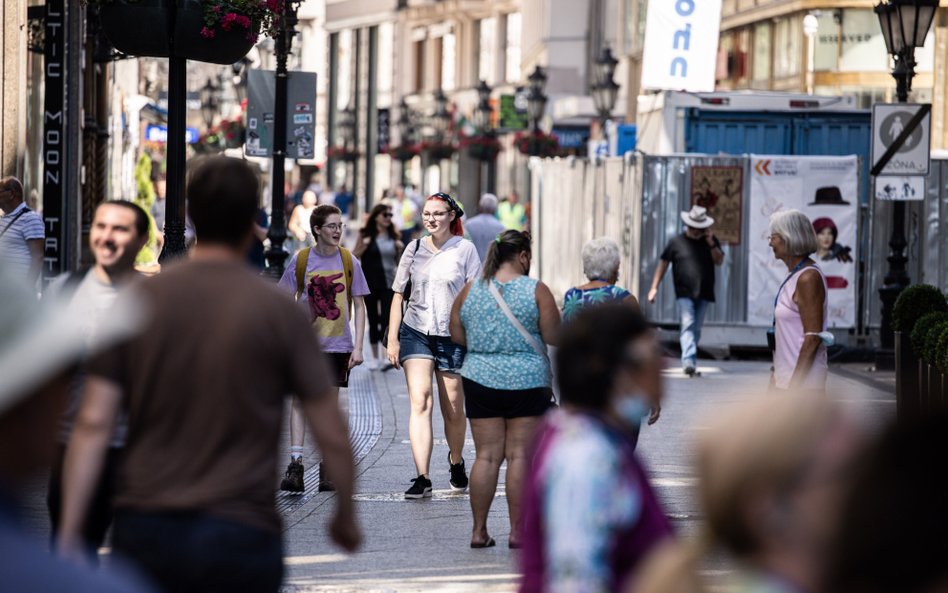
x=386 y=215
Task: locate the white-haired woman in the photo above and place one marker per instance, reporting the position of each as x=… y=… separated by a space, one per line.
x=601 y=267
x=800 y=309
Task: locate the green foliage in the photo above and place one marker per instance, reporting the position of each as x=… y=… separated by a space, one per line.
x=145 y=197
x=924 y=323
x=931 y=342
x=915 y=301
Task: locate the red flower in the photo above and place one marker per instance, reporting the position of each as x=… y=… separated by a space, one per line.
x=207 y=33
x=243 y=21
x=228 y=21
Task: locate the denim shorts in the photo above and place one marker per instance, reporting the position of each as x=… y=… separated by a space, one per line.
x=447 y=356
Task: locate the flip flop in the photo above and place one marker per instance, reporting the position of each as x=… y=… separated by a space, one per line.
x=490 y=543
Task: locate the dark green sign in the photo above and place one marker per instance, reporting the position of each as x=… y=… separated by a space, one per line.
x=513 y=113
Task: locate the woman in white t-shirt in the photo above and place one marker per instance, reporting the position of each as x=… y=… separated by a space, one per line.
x=438 y=267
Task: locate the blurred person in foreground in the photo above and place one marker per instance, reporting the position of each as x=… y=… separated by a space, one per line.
x=204 y=386
x=119 y=230
x=893 y=521
x=40 y=344
x=771 y=478
x=590 y=514
x=504 y=319
x=800 y=306
x=601 y=267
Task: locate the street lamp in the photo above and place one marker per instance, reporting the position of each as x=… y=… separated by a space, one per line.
x=605 y=91
x=239 y=79
x=406 y=129
x=347 y=125
x=536 y=99
x=905 y=25
x=441 y=118
x=209 y=96
x=482 y=112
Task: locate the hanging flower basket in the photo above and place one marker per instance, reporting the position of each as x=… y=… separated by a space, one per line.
x=484 y=147
x=216 y=31
x=226 y=134
x=403 y=152
x=537 y=144
x=438 y=151
x=343 y=154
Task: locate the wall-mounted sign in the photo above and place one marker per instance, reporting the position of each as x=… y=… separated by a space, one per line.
x=513 y=112
x=54 y=140
x=300 y=114
x=158 y=133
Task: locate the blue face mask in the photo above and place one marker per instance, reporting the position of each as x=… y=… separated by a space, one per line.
x=633 y=409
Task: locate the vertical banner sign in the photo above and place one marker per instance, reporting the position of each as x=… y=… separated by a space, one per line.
x=720 y=190
x=383 y=135
x=681 y=45
x=826 y=190
x=54 y=139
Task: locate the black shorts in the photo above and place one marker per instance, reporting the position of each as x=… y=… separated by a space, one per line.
x=484 y=402
x=339 y=364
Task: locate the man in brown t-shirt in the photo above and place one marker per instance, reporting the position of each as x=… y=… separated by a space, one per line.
x=204 y=386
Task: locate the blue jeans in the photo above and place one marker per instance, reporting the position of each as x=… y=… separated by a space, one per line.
x=691 y=316
x=193 y=552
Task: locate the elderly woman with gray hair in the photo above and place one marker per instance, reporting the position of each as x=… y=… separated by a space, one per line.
x=800 y=308
x=601 y=268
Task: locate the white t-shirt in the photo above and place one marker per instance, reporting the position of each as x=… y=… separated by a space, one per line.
x=436 y=279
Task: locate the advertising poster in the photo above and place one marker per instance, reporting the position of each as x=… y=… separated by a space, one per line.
x=720 y=190
x=681 y=45
x=826 y=190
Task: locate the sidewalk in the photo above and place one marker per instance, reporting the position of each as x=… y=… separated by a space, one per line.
x=414 y=546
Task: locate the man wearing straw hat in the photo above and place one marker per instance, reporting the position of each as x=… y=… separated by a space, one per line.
x=692 y=255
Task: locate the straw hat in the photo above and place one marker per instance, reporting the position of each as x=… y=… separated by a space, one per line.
x=697 y=218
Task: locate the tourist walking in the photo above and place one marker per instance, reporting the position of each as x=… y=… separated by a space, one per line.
x=118 y=232
x=601 y=267
x=692 y=255
x=22 y=233
x=511 y=212
x=589 y=513
x=330 y=286
x=379 y=248
x=301 y=233
x=503 y=319
x=204 y=385
x=800 y=307
x=437 y=268
x=484 y=228
x=406 y=214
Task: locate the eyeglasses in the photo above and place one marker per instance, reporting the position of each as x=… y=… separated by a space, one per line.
x=386 y=215
x=440 y=214
x=334 y=227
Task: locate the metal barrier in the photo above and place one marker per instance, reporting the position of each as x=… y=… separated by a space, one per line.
x=637 y=200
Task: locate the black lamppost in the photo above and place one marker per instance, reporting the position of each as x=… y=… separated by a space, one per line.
x=605 y=90
x=347 y=132
x=536 y=99
x=441 y=118
x=406 y=132
x=209 y=96
x=239 y=80
x=276 y=255
x=482 y=115
x=905 y=25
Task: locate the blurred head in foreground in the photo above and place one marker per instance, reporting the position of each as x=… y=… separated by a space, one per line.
x=772 y=473
x=893 y=524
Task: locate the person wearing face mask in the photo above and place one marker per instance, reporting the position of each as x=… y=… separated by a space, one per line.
x=503 y=319
x=590 y=515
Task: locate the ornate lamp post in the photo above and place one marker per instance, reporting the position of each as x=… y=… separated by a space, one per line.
x=905 y=25
x=605 y=91
x=536 y=99
x=209 y=96
x=482 y=115
x=347 y=132
x=441 y=118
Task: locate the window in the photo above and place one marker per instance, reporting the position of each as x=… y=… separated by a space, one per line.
x=761 y=53
x=788 y=47
x=418 y=50
x=487 y=43
x=512 y=54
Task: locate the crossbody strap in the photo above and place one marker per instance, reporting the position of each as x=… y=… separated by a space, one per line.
x=516 y=322
x=18 y=215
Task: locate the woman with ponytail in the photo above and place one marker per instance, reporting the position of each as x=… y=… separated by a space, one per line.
x=437 y=267
x=504 y=318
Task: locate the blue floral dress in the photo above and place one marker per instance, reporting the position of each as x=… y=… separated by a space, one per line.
x=576 y=299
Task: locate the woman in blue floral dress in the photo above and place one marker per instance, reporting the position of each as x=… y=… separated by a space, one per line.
x=506 y=372
x=601 y=267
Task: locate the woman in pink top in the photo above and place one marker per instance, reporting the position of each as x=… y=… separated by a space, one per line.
x=800 y=310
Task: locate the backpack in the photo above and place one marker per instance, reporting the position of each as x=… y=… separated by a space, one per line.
x=303 y=256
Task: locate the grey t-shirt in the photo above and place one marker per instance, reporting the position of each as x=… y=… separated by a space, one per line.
x=386 y=247
x=90 y=302
x=436 y=279
x=483 y=229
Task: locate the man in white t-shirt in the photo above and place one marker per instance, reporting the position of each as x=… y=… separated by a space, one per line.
x=119 y=231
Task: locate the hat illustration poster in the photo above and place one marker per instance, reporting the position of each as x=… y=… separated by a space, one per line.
x=825 y=189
